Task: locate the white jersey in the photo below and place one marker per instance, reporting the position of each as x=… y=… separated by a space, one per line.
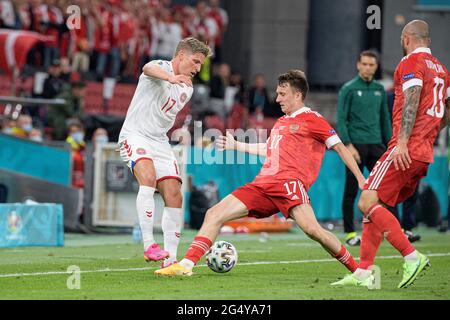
x=155 y=105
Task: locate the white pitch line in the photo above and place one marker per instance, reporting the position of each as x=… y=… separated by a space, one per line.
x=50 y=273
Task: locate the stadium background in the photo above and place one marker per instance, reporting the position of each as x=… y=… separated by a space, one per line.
x=263 y=37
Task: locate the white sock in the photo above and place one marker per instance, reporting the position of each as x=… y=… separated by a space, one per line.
x=171 y=226
x=186 y=263
x=412 y=257
x=362 y=274
x=145 y=205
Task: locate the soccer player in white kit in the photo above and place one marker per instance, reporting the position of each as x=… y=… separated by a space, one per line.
x=163 y=89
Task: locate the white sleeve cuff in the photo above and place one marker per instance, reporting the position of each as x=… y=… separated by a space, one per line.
x=411 y=83
x=332 y=141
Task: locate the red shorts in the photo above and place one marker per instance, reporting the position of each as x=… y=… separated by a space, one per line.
x=395 y=186
x=264 y=200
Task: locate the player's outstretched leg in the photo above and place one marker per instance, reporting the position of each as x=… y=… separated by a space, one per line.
x=304 y=216
x=228 y=209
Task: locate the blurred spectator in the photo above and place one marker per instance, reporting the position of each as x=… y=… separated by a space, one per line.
x=99 y=137
x=106 y=38
x=23 y=126
x=258 y=99
x=238 y=116
x=66 y=70
x=51 y=23
x=181 y=17
x=165 y=4
x=30 y=19
x=236 y=81
x=9 y=16
x=114 y=20
x=83 y=37
x=53 y=85
x=204 y=27
x=73 y=108
x=36 y=135
x=220 y=16
x=8 y=125
x=219 y=82
x=76 y=141
x=31 y=15
x=169 y=34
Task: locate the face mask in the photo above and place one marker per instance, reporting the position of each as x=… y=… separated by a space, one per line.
x=7 y=131
x=27 y=127
x=36 y=138
x=78 y=137
x=101 y=139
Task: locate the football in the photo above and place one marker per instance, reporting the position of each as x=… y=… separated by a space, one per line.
x=222 y=257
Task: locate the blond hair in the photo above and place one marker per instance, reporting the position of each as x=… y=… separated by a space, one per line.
x=194 y=46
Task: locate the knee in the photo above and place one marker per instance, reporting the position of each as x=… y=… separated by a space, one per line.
x=365 y=202
x=148 y=181
x=174 y=197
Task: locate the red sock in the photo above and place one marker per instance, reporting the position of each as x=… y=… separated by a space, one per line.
x=390 y=227
x=344 y=257
x=198 y=248
x=370 y=242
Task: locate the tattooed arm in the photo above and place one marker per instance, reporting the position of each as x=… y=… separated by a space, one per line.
x=401 y=157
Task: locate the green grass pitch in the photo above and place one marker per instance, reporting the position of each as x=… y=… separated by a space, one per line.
x=287 y=266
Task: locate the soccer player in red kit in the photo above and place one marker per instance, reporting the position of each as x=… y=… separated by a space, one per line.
x=294 y=154
x=421 y=88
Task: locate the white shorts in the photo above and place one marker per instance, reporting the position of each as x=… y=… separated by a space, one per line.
x=135 y=149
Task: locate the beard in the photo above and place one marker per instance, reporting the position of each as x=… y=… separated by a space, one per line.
x=403 y=48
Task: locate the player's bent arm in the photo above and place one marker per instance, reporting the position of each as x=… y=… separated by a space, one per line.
x=152 y=70
x=350 y=162
x=410 y=106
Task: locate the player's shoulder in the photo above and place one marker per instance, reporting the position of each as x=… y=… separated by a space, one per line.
x=409 y=60
x=311 y=114
x=161 y=63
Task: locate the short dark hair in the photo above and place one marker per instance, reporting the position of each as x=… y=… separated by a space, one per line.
x=297 y=80
x=369 y=53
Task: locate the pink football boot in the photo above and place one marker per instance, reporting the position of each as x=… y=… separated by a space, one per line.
x=155 y=253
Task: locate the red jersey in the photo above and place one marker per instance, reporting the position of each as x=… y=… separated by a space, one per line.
x=296 y=147
x=420 y=68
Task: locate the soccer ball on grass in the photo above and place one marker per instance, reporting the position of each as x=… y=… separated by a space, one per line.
x=222 y=257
